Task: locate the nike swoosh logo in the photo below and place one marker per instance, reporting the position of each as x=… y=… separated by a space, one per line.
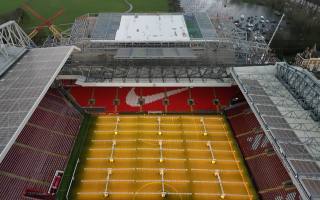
x=132 y=98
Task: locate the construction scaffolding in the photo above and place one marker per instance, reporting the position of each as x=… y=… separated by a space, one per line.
x=97 y=31
x=213 y=44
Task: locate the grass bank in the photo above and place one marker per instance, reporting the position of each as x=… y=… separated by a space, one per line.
x=75 y=8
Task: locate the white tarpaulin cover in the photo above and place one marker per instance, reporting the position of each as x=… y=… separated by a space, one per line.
x=155 y=28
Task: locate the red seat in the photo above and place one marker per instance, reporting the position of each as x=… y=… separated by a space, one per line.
x=267 y=170
x=42 y=148
x=278 y=194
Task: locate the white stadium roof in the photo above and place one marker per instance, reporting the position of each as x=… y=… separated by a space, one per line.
x=152 y=28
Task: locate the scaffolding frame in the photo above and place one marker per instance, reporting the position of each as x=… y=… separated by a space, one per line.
x=225 y=46
x=228 y=37
x=147 y=74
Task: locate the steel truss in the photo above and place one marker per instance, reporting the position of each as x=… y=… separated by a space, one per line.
x=303 y=86
x=149 y=74
x=11 y=35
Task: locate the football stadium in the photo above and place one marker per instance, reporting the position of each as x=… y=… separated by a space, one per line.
x=154 y=106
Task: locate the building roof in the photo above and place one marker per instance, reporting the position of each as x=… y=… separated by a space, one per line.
x=11 y=55
x=23 y=86
x=154 y=28
x=290 y=128
x=145 y=27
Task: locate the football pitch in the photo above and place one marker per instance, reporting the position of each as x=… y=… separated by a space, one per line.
x=75 y=8
x=152 y=157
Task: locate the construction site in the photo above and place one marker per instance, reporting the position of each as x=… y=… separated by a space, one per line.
x=204 y=48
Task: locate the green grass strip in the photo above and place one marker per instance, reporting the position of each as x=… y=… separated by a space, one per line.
x=82 y=157
x=76 y=8
x=242 y=163
x=77 y=149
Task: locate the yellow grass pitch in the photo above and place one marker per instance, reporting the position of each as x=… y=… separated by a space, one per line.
x=161 y=157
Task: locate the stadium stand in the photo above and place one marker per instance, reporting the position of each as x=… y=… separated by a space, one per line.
x=33 y=163
x=203 y=98
x=242 y=127
x=253 y=143
x=43 y=118
x=269 y=175
x=11 y=187
x=267 y=171
x=40 y=137
x=287 y=194
x=41 y=149
x=237 y=109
